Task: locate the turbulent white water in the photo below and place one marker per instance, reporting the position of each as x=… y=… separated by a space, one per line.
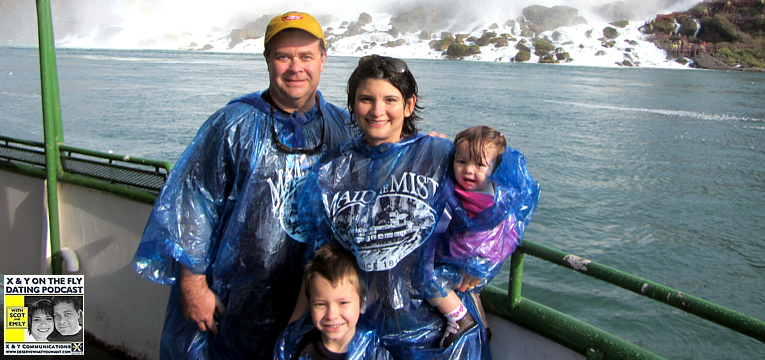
x=174 y=24
x=583 y=49
x=669 y=113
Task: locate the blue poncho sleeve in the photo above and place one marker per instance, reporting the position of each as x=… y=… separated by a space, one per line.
x=184 y=221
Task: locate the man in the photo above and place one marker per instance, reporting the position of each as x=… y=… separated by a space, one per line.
x=67 y=317
x=223 y=231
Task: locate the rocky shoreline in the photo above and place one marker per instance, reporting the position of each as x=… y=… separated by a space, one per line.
x=715 y=34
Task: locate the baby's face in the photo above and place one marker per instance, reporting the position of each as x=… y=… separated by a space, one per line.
x=42 y=325
x=335 y=312
x=473 y=174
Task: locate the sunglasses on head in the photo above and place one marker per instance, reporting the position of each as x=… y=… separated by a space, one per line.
x=396 y=65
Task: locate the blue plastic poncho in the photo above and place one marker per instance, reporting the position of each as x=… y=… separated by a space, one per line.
x=382 y=204
x=365 y=344
x=227 y=211
x=478 y=246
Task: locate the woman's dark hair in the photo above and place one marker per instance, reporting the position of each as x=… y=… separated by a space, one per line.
x=397 y=74
x=42 y=305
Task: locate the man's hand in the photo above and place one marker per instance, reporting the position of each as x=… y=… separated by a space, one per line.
x=468 y=282
x=199 y=302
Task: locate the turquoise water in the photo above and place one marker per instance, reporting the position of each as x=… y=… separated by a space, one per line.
x=656 y=172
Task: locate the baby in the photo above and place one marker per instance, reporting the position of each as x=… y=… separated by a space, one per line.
x=484 y=229
x=336 y=292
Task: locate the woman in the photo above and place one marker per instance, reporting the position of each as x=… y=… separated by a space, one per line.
x=380 y=196
x=40 y=322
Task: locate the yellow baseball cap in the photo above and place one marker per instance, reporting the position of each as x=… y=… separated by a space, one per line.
x=294 y=20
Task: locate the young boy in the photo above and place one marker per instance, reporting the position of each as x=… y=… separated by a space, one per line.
x=336 y=291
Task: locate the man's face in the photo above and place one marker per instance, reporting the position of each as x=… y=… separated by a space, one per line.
x=295 y=64
x=66 y=318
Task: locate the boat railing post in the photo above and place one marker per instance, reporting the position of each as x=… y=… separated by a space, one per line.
x=516 y=278
x=52 y=128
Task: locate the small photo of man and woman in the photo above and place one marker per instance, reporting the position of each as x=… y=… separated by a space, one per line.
x=54 y=318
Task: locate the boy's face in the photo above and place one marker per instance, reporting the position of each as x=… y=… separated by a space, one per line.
x=473 y=174
x=335 y=312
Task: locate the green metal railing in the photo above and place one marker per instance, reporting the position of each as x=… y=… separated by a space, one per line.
x=584 y=338
x=132 y=177
x=52 y=128
x=139 y=179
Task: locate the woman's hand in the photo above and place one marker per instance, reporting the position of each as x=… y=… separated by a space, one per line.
x=468 y=282
x=433 y=133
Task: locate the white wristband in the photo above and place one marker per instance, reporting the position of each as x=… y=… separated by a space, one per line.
x=457 y=314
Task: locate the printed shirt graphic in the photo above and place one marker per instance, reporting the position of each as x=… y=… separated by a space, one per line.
x=382 y=204
x=283 y=190
x=385 y=227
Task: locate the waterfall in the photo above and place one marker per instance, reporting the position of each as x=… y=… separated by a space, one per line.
x=698 y=27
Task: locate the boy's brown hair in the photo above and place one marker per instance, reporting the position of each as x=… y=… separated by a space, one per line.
x=478 y=138
x=336 y=265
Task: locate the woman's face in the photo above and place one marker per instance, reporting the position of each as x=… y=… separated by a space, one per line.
x=42 y=325
x=380 y=109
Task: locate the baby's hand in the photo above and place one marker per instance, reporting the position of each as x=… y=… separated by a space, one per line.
x=451 y=328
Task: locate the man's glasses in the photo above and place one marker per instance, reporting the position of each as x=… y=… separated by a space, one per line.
x=396 y=65
x=299 y=150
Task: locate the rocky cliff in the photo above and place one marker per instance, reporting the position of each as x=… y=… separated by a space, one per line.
x=716 y=34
